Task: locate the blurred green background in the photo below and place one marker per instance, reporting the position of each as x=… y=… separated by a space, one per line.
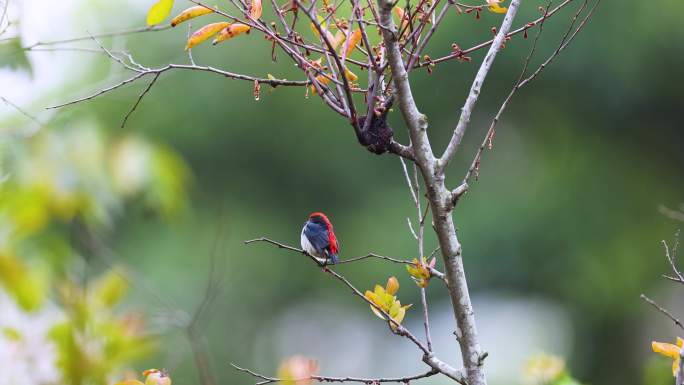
x=560 y=234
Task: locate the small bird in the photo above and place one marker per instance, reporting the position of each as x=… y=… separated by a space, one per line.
x=318 y=238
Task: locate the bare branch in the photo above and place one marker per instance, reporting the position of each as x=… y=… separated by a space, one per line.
x=489 y=137
x=169 y=67
x=457 y=193
x=433 y=271
x=401 y=150
x=140 y=98
x=22 y=111
x=671 y=258
x=398 y=329
x=419 y=50
x=101 y=92
x=405 y=380
x=460 y=54
x=663 y=310
x=474 y=93
x=565 y=41
x=426 y=319
x=123 y=32
x=416 y=121
x=338 y=62
x=190 y=58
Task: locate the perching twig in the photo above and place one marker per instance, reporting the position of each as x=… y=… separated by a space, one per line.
x=405 y=380
x=434 y=272
x=397 y=328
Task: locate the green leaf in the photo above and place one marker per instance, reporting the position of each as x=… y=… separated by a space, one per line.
x=159 y=11
x=12 y=55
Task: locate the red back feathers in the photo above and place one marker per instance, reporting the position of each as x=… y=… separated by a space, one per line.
x=331 y=234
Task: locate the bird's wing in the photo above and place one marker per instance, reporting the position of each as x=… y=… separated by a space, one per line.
x=317 y=235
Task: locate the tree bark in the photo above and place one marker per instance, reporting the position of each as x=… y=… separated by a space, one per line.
x=466 y=332
x=441 y=199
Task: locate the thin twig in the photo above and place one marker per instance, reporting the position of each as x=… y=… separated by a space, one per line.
x=396 y=328
x=22 y=111
x=433 y=272
x=405 y=380
x=663 y=310
x=492 y=127
x=460 y=54
x=671 y=259
x=139 y=99
x=475 y=88
x=100 y=35
x=190 y=58
x=169 y=67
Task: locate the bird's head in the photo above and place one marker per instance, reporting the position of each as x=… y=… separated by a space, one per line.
x=321 y=218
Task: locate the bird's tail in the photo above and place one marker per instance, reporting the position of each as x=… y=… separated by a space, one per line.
x=333 y=259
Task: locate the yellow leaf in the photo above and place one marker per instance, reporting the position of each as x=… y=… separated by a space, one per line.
x=669 y=350
x=495 y=7
x=392 y=286
x=394 y=308
x=230 y=32
x=353 y=41
x=256 y=9
x=399 y=315
x=190 y=13
x=205 y=33
x=350 y=75
x=321 y=79
x=159 y=11
x=666 y=349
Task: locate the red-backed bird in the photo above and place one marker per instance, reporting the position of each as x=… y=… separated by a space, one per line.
x=318 y=238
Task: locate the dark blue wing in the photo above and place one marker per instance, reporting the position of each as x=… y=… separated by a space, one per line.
x=317 y=234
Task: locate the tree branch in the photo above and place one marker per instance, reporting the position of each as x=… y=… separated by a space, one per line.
x=140 y=98
x=398 y=329
x=416 y=121
x=405 y=380
x=474 y=93
x=436 y=273
x=663 y=310
x=477 y=47
x=169 y=67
